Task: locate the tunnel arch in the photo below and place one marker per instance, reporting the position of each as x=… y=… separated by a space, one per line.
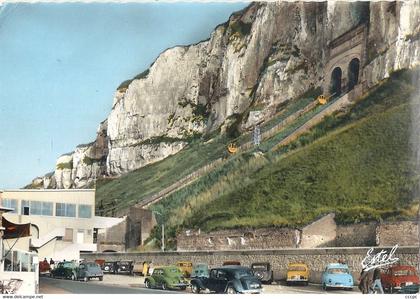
x=335 y=82
x=353 y=73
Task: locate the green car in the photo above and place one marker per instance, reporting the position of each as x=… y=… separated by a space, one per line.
x=169 y=277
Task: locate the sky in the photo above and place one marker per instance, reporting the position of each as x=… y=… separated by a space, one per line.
x=60 y=65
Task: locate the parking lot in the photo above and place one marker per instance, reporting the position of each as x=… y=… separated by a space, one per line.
x=128 y=284
x=274 y=288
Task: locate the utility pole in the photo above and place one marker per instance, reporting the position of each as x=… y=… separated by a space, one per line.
x=256 y=136
x=163 y=237
x=163 y=231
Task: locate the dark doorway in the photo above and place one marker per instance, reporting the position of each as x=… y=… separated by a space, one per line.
x=353 y=73
x=335 y=85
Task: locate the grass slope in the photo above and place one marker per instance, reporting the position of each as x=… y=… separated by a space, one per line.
x=356 y=163
x=118 y=193
x=362 y=170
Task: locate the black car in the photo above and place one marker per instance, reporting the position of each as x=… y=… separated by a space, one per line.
x=228 y=279
x=124 y=267
x=263 y=272
x=109 y=267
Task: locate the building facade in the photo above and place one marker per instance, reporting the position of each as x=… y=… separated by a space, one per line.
x=63 y=222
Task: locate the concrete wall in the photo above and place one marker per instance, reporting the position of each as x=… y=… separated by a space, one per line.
x=323 y=232
x=238 y=239
x=129 y=233
x=316 y=259
x=360 y=234
x=402 y=233
x=320 y=233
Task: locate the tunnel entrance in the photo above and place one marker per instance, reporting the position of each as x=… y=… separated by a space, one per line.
x=335 y=86
x=353 y=73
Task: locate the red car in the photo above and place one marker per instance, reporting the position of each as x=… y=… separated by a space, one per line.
x=397 y=277
x=44 y=267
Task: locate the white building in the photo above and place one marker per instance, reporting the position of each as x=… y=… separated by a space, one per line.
x=63 y=222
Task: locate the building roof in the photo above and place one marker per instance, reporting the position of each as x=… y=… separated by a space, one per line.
x=4 y=209
x=47 y=190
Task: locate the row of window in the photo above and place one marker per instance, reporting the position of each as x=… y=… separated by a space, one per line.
x=44 y=208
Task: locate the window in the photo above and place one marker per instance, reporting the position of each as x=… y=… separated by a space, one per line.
x=65 y=210
x=25 y=207
x=37 y=208
x=11 y=204
x=85 y=211
x=47 y=208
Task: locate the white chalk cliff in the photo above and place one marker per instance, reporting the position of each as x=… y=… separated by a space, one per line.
x=262 y=56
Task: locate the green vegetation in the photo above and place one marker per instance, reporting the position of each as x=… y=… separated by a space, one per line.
x=67 y=165
x=125 y=84
x=148 y=180
x=361 y=169
x=89 y=161
x=355 y=163
x=240 y=28
x=115 y=194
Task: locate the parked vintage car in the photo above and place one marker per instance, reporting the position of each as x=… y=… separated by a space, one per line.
x=228 y=279
x=169 y=277
x=44 y=267
x=87 y=271
x=337 y=275
x=109 y=267
x=66 y=270
x=297 y=273
x=185 y=267
x=200 y=270
x=125 y=267
x=100 y=262
x=231 y=263
x=399 y=277
x=263 y=272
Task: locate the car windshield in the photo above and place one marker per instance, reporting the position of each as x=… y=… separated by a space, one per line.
x=68 y=265
x=200 y=271
x=259 y=267
x=404 y=272
x=297 y=268
x=242 y=273
x=338 y=271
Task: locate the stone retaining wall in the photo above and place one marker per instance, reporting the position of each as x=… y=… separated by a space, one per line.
x=316 y=259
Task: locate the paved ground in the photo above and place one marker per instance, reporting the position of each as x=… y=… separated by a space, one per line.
x=63 y=286
x=125 y=284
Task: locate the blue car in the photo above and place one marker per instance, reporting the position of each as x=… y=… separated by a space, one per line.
x=337 y=276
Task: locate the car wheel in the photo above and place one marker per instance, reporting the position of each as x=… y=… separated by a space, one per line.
x=101 y=278
x=391 y=290
x=324 y=287
x=73 y=277
x=231 y=290
x=147 y=284
x=164 y=286
x=259 y=275
x=195 y=289
x=85 y=279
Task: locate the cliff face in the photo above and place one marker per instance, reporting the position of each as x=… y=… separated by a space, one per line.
x=266 y=54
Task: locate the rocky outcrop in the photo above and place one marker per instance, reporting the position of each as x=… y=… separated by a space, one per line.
x=263 y=56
